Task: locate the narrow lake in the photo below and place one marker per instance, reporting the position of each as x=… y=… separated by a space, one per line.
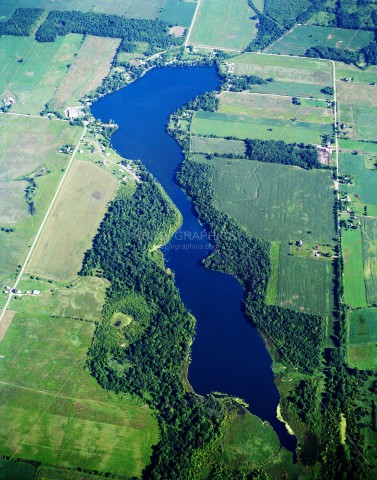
x=228 y=354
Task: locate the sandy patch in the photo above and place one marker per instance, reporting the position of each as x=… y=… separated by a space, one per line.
x=330 y=37
x=30 y=74
x=97 y=195
x=177 y=31
x=5 y=322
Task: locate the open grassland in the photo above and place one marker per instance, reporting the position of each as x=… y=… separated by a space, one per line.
x=353 y=276
x=344 y=71
x=354 y=145
x=360 y=121
x=292 y=89
x=53 y=411
x=87 y=70
x=363 y=326
x=242 y=127
x=223 y=24
x=73 y=222
x=302 y=37
x=259 y=106
x=363 y=356
x=28 y=145
x=33 y=81
x=370 y=259
x=354 y=93
x=16 y=471
x=129 y=8
x=284 y=69
x=178 y=12
x=364 y=180
x=217 y=145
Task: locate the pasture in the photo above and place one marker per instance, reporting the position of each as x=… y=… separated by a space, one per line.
x=363 y=356
x=73 y=222
x=86 y=72
x=354 y=145
x=363 y=179
x=302 y=37
x=284 y=69
x=369 y=234
x=129 y=8
x=242 y=127
x=260 y=106
x=363 y=326
x=354 y=94
x=223 y=24
x=360 y=121
x=353 y=274
x=33 y=81
x=358 y=76
x=292 y=89
x=217 y=145
x=176 y=12
x=53 y=411
x=28 y=145
x=272 y=288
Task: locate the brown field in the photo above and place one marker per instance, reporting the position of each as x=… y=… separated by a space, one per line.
x=5 y=322
x=352 y=93
x=88 y=69
x=73 y=222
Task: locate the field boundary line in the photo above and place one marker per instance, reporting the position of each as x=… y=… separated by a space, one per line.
x=36 y=238
x=273 y=95
x=213 y=47
x=192 y=23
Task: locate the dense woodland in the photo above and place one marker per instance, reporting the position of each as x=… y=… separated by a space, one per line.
x=130 y=30
x=22 y=22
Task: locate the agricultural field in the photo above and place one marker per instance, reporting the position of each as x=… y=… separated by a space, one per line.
x=129 y=8
x=284 y=69
x=354 y=73
x=28 y=148
x=363 y=178
x=224 y=24
x=217 y=145
x=32 y=71
x=360 y=121
x=354 y=94
x=53 y=411
x=242 y=127
x=48 y=473
x=302 y=37
x=354 y=283
x=260 y=106
x=178 y=12
x=362 y=348
x=82 y=201
x=354 y=145
x=86 y=72
x=370 y=258
x=292 y=89
x=16 y=471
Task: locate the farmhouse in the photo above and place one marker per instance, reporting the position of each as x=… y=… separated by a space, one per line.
x=35 y=292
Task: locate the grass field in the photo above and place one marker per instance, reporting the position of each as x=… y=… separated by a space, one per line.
x=53 y=411
x=363 y=357
x=129 y=8
x=370 y=258
x=87 y=70
x=47 y=473
x=272 y=288
x=242 y=127
x=73 y=222
x=223 y=24
x=217 y=145
x=363 y=326
x=33 y=82
x=292 y=89
x=360 y=121
x=364 y=179
x=16 y=471
x=353 y=276
x=178 y=12
x=302 y=37
x=365 y=147
x=26 y=146
x=284 y=69
x=260 y=106
x=358 y=76
x=355 y=94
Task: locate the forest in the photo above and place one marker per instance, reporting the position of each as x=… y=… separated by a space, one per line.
x=22 y=22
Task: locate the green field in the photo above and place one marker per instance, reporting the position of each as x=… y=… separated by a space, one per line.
x=364 y=179
x=353 y=276
x=356 y=94
x=284 y=69
x=358 y=76
x=370 y=258
x=366 y=147
x=292 y=89
x=53 y=410
x=21 y=138
x=223 y=24
x=273 y=283
x=33 y=82
x=47 y=473
x=363 y=326
x=363 y=357
x=73 y=222
x=242 y=127
x=178 y=12
x=302 y=37
x=217 y=145
x=261 y=106
x=129 y=8
x=16 y=471
x=360 y=121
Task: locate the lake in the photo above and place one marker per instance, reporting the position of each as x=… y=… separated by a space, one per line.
x=228 y=354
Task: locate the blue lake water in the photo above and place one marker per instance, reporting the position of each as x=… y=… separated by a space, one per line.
x=228 y=354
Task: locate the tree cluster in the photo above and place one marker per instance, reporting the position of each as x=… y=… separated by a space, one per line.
x=22 y=22
x=336 y=54
x=240 y=83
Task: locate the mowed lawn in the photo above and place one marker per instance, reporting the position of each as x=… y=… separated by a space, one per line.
x=28 y=145
x=284 y=69
x=268 y=128
x=302 y=37
x=87 y=70
x=73 y=222
x=53 y=411
x=223 y=24
x=370 y=258
x=353 y=276
x=259 y=106
x=33 y=81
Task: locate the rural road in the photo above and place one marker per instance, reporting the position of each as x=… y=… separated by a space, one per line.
x=192 y=23
x=23 y=268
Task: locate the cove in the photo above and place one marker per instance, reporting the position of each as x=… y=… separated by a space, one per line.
x=228 y=354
